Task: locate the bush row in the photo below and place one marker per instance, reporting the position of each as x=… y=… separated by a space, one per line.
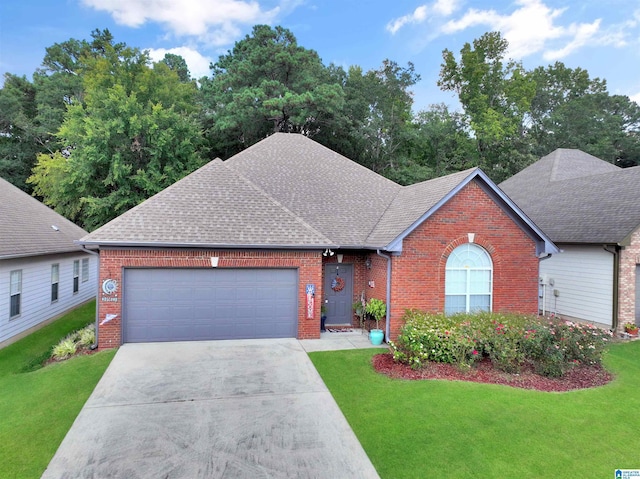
x=76 y=341
x=510 y=341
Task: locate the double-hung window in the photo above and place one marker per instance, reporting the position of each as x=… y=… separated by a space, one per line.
x=76 y=276
x=85 y=270
x=15 y=292
x=55 y=280
x=468 y=281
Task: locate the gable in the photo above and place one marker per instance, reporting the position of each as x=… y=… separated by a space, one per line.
x=577 y=198
x=498 y=199
x=30 y=228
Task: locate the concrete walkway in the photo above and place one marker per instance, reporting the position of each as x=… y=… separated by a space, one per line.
x=212 y=409
x=354 y=339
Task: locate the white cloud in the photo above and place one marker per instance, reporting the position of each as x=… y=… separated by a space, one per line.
x=535 y=27
x=636 y=98
x=440 y=8
x=213 y=21
x=198 y=64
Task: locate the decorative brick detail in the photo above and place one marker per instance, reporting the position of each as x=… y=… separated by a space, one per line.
x=629 y=259
x=418 y=274
x=113 y=262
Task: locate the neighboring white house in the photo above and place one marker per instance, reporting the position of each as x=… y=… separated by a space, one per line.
x=591 y=210
x=43 y=273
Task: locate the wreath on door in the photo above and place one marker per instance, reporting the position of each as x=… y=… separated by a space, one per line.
x=337 y=284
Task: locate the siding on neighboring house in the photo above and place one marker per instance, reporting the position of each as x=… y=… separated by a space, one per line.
x=583 y=278
x=35 y=302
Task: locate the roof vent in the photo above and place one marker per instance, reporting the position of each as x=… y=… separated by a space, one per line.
x=55 y=228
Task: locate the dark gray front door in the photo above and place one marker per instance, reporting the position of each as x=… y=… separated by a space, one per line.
x=195 y=304
x=339 y=303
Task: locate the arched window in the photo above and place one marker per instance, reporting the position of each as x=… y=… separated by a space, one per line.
x=469 y=277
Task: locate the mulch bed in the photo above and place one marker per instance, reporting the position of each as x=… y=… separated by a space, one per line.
x=579 y=377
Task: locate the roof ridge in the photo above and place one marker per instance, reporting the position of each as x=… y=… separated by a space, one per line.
x=276 y=202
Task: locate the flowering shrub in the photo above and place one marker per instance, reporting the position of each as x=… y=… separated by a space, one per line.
x=510 y=341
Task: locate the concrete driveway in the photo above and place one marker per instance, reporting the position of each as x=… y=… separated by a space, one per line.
x=211 y=409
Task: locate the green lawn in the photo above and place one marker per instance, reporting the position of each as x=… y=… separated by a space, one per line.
x=38 y=407
x=416 y=429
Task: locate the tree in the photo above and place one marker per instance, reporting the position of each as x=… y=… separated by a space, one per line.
x=496 y=96
x=267 y=83
x=134 y=134
x=19 y=135
x=177 y=64
x=441 y=142
x=571 y=110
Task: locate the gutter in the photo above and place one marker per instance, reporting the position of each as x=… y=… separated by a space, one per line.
x=95 y=344
x=616 y=282
x=388 y=325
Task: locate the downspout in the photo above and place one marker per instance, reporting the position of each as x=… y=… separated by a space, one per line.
x=544 y=286
x=95 y=344
x=616 y=281
x=388 y=326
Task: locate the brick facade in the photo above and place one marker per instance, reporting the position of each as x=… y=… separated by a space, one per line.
x=629 y=259
x=113 y=261
x=418 y=273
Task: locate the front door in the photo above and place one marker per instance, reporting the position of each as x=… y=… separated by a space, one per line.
x=338 y=293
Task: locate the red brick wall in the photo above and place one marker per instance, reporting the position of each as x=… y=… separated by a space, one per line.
x=112 y=262
x=418 y=274
x=362 y=276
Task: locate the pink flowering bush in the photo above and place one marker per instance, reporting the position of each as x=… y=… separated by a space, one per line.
x=510 y=341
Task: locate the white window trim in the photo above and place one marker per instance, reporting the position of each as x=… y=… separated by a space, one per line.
x=467 y=294
x=55 y=280
x=15 y=293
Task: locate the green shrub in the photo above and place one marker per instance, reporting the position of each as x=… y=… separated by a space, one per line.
x=433 y=337
x=65 y=348
x=87 y=336
x=510 y=341
x=74 y=342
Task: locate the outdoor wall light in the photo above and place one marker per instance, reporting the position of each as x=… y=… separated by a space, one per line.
x=328 y=252
x=367 y=263
x=340 y=256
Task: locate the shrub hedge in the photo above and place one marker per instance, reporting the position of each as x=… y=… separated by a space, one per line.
x=510 y=341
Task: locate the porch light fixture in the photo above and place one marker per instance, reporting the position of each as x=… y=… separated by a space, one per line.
x=367 y=263
x=340 y=256
x=328 y=252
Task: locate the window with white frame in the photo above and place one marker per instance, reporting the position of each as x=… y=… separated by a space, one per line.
x=15 y=292
x=76 y=276
x=55 y=280
x=85 y=270
x=468 y=280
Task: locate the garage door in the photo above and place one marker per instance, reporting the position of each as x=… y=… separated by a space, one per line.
x=195 y=304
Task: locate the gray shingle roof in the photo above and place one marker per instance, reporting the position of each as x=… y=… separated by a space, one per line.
x=286 y=191
x=577 y=198
x=341 y=198
x=26 y=226
x=212 y=206
x=411 y=203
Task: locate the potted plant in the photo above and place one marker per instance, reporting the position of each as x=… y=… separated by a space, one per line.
x=377 y=309
x=631 y=329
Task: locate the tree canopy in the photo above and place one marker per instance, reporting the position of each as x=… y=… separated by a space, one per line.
x=100 y=127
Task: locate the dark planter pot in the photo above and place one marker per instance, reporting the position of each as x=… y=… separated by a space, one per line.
x=323 y=318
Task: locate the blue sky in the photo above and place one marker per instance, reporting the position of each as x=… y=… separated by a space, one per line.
x=602 y=37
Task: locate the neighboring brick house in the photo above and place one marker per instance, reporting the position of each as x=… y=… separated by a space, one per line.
x=234 y=249
x=43 y=273
x=591 y=210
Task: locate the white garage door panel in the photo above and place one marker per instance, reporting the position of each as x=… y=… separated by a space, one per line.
x=193 y=304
